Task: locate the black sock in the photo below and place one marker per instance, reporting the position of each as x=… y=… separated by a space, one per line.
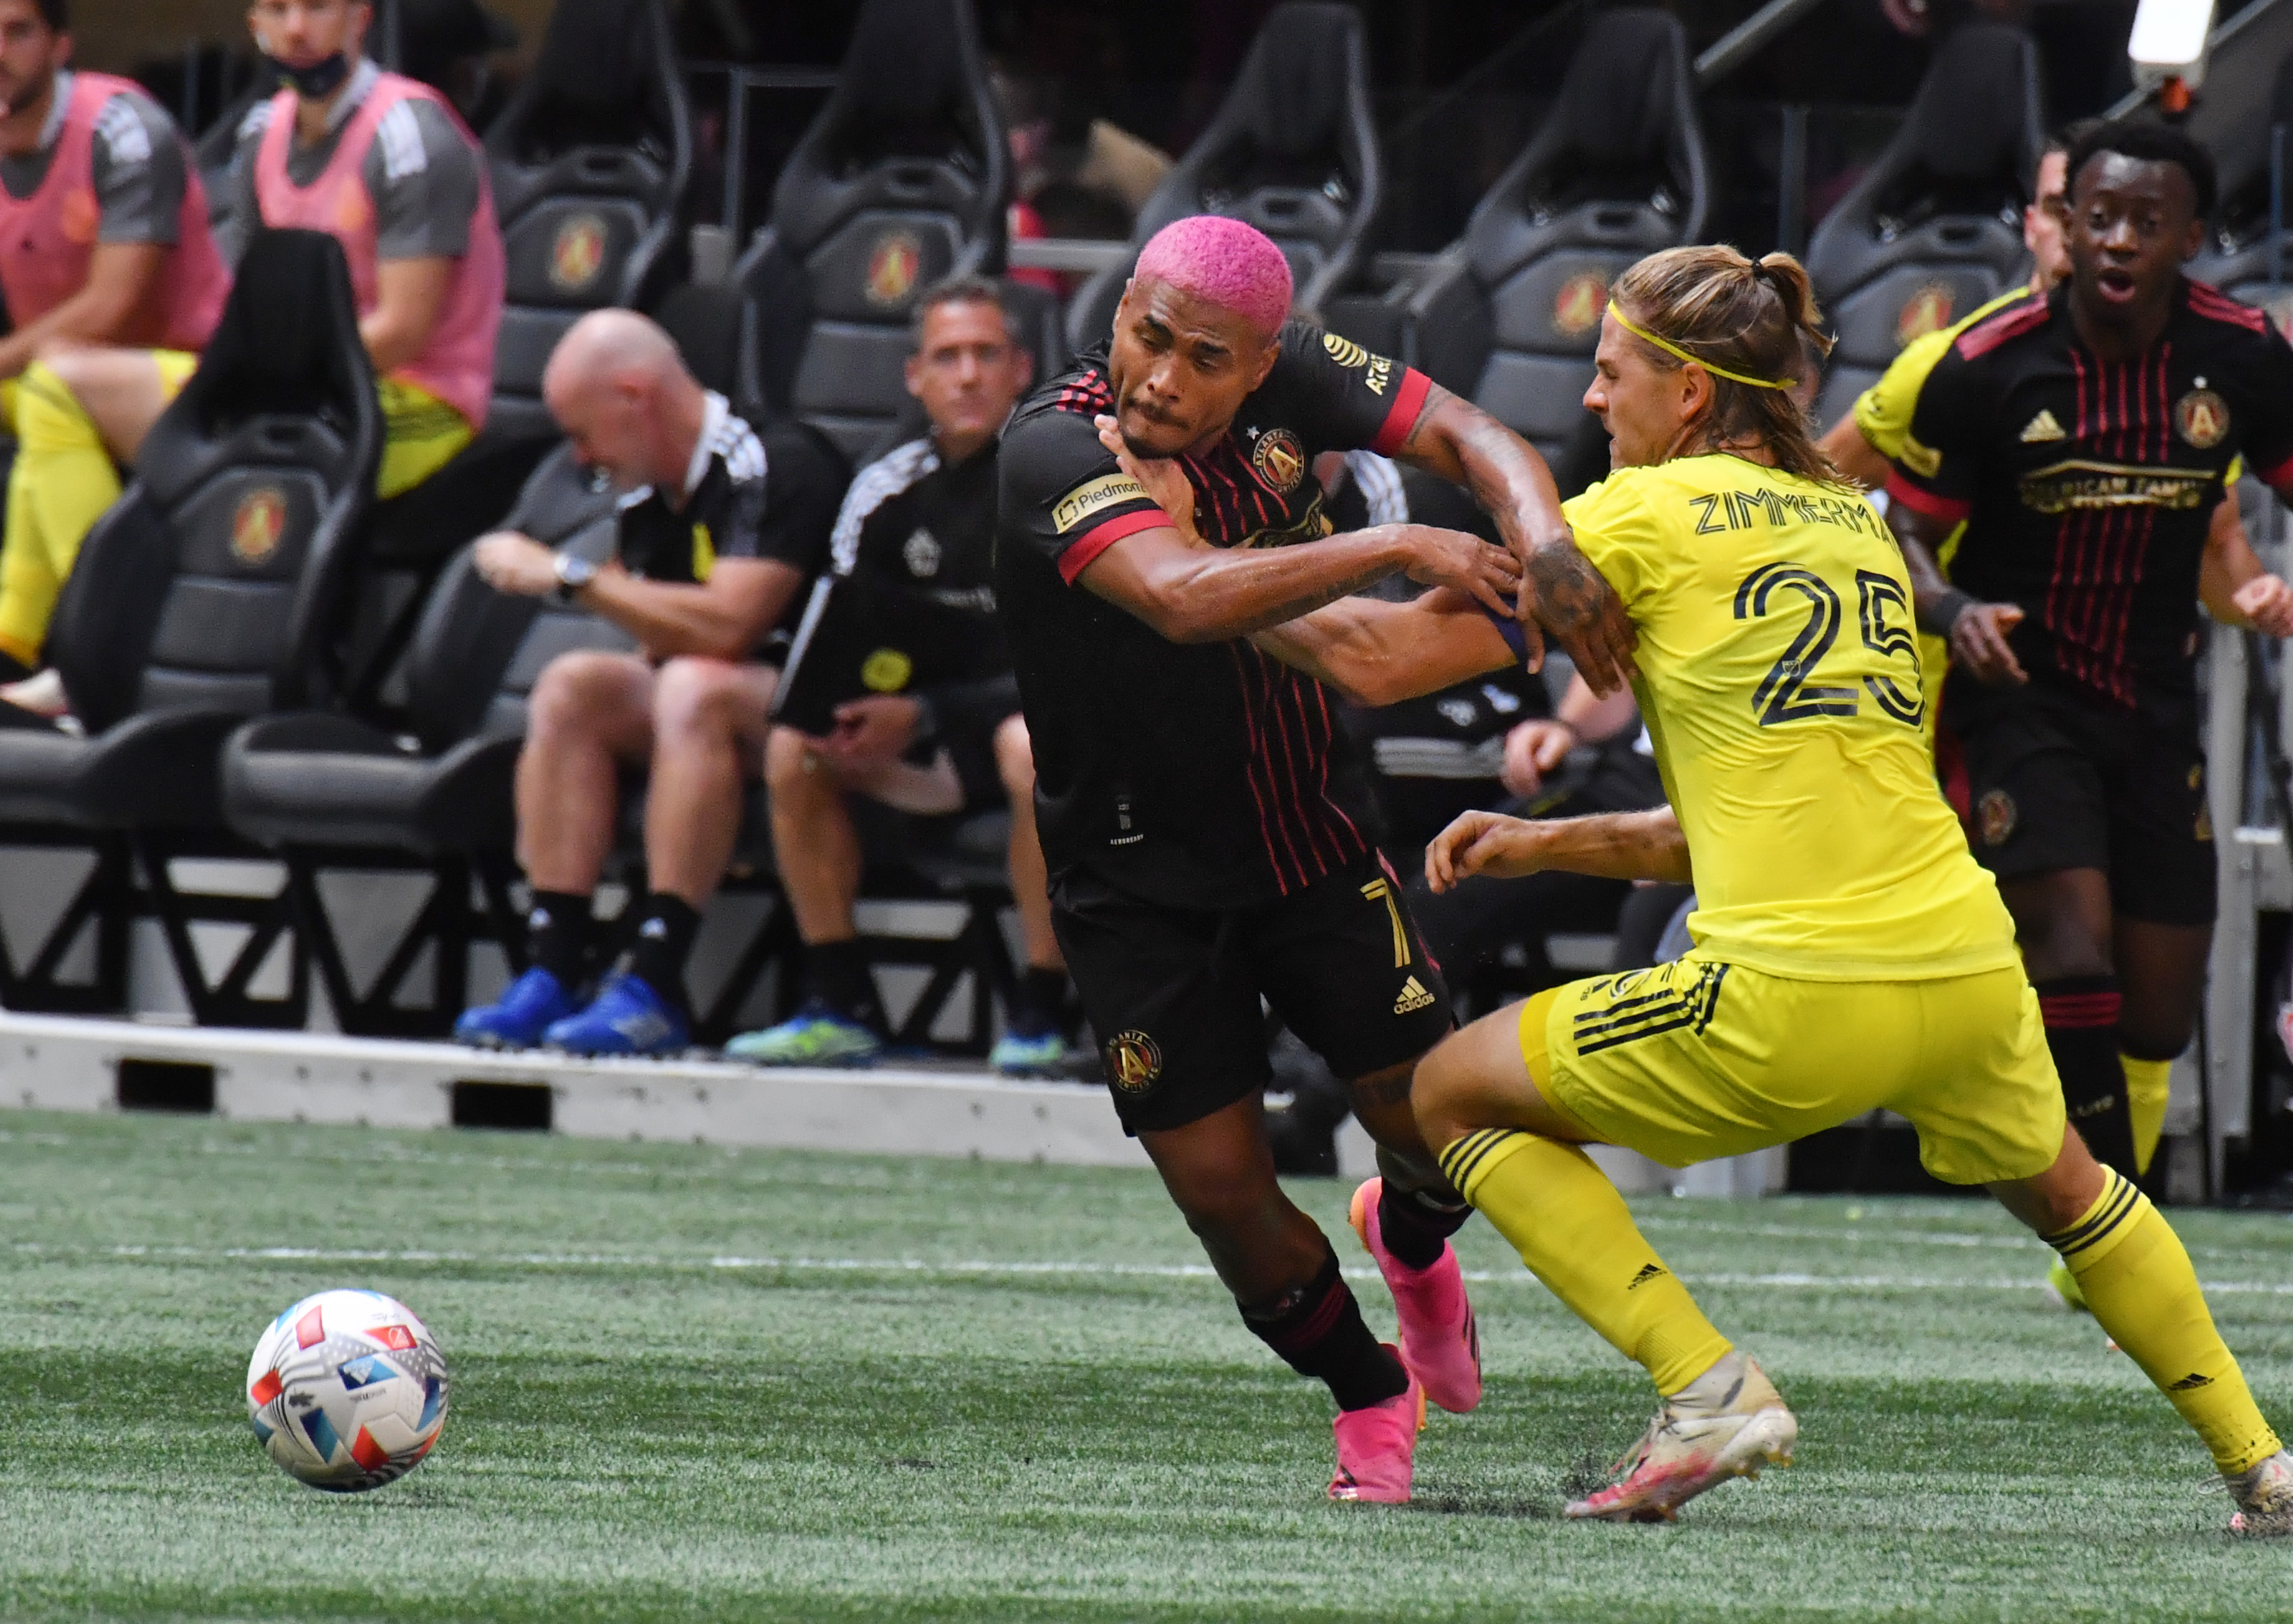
x=664 y=941
x=560 y=930
x=1415 y=1226
x=839 y=977
x=2081 y=1016
x=1319 y=1331
x=1040 y=1000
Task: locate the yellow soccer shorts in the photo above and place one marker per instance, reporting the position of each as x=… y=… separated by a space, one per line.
x=421 y=434
x=1698 y=1059
x=63 y=481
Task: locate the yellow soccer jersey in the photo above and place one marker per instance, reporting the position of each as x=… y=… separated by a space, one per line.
x=1883 y=412
x=1779 y=681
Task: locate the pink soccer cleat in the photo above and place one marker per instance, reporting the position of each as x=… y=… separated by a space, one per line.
x=1439 y=1342
x=1376 y=1445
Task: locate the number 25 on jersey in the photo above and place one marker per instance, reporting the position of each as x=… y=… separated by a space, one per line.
x=1883 y=610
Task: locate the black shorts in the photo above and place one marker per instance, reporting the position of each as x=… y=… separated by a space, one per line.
x=2058 y=782
x=1173 y=992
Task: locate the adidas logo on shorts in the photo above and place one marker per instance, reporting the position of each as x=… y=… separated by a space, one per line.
x=1412 y=997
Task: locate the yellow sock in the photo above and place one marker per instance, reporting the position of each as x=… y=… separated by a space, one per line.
x=2146 y=1087
x=62 y=482
x=2138 y=1280
x=1573 y=1231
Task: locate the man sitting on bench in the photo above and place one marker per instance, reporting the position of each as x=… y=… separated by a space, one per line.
x=924 y=716
x=719 y=527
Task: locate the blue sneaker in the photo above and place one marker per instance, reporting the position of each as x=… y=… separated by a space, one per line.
x=525 y=1010
x=627 y=1018
x=1029 y=1055
x=814 y=1036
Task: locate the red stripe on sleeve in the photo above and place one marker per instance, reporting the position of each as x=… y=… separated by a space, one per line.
x=1087 y=546
x=1409 y=401
x=2275 y=477
x=1945 y=508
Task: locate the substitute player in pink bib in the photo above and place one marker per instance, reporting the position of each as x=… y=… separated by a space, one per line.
x=381 y=164
x=103 y=240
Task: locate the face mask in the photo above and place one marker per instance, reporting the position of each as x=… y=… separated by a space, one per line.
x=320 y=79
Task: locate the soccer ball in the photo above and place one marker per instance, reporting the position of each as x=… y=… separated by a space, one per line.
x=347 y=1391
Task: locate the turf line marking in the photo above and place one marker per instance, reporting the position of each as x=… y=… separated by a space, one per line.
x=988 y=1268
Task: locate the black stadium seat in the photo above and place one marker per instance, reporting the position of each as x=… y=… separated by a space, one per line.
x=902 y=180
x=591 y=165
x=1934 y=228
x=213 y=591
x=328 y=790
x=1615 y=171
x=1293 y=150
x=2243 y=99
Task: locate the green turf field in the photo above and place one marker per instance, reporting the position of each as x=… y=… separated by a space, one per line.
x=695 y=1383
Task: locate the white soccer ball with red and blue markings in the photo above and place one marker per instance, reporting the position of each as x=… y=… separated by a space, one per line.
x=347 y=1390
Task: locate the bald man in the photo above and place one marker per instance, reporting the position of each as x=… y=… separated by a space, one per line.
x=720 y=526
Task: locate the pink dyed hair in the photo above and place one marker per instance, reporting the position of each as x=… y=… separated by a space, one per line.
x=1233 y=265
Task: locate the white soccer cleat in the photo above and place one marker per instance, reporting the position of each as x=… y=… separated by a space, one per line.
x=2264 y=1499
x=1690 y=1448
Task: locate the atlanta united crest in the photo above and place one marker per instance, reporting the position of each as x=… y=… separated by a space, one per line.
x=577 y=254
x=894 y=263
x=1577 y=308
x=1134 y=1060
x=2201 y=417
x=257 y=523
x=1927 y=310
x=1280 y=460
x=1996 y=814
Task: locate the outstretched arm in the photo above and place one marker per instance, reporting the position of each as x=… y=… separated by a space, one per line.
x=1640 y=845
x=1379 y=653
x=1560 y=592
x=1190 y=592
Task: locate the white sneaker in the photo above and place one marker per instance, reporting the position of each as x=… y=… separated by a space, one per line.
x=1730 y=1423
x=2264 y=1499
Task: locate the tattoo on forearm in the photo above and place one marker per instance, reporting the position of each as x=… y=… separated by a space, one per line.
x=1568 y=590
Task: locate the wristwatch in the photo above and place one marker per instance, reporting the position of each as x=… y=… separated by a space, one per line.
x=573 y=573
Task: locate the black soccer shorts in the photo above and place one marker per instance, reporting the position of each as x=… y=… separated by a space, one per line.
x=2056 y=781
x=1173 y=993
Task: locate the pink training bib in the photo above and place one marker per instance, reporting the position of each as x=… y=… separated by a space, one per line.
x=47 y=239
x=457 y=364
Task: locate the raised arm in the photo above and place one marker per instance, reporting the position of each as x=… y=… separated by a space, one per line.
x=1560 y=592
x=1379 y=653
x=1190 y=592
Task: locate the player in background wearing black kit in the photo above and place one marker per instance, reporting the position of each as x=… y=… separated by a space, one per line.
x=918 y=524
x=720 y=526
x=2083 y=435
x=1208 y=828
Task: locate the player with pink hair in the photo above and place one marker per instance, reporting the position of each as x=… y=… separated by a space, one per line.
x=1224 y=262
x=1208 y=828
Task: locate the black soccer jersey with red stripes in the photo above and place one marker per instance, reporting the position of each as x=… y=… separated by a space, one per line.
x=2087 y=485
x=1202 y=776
